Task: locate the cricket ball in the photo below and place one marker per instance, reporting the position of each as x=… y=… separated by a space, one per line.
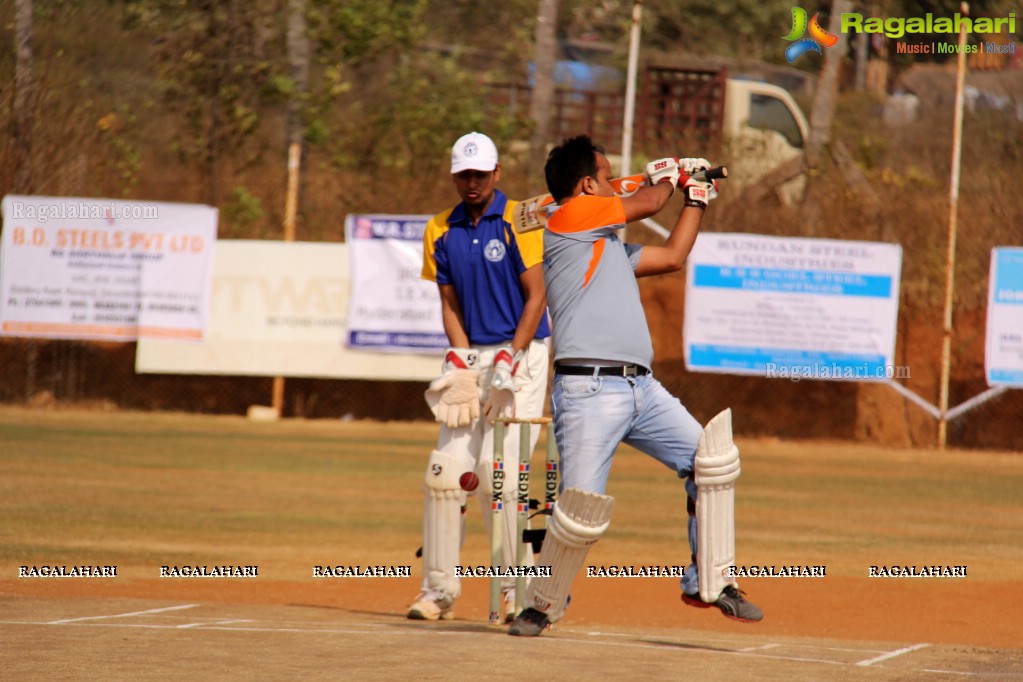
x=469 y=481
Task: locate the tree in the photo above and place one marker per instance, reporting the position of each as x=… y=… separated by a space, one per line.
x=24 y=86
x=216 y=74
x=545 y=50
x=823 y=112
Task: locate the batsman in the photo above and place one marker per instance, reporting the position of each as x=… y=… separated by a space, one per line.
x=494 y=312
x=604 y=393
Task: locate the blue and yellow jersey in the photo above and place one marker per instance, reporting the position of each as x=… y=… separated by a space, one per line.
x=483 y=263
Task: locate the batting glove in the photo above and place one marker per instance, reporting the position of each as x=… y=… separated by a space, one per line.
x=693 y=165
x=454 y=397
x=698 y=193
x=662 y=170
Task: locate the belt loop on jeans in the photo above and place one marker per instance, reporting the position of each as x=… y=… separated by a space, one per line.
x=601 y=371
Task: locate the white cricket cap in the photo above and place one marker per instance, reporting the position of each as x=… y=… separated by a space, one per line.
x=474 y=151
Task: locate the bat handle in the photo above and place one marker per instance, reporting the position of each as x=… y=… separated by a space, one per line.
x=716 y=173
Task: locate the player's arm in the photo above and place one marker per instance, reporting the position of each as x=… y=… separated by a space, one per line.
x=661 y=178
x=647 y=201
x=671 y=256
x=657 y=260
x=451 y=317
x=534 y=309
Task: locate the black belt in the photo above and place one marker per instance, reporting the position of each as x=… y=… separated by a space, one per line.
x=612 y=371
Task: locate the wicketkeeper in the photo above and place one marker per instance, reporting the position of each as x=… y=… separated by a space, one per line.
x=495 y=317
x=603 y=391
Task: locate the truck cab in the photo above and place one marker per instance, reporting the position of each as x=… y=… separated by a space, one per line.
x=763 y=127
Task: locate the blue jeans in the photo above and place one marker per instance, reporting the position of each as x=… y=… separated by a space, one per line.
x=592 y=415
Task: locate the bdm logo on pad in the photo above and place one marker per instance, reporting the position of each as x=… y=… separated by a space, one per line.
x=818 y=36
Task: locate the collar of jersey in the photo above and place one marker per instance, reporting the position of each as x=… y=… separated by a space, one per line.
x=460 y=217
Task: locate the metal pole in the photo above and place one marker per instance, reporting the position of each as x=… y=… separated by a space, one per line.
x=630 y=88
x=628 y=115
x=953 y=209
x=290 y=214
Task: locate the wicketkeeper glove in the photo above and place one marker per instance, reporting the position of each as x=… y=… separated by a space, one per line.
x=662 y=170
x=500 y=402
x=454 y=397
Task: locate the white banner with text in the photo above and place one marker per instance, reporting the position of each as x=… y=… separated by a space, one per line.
x=104 y=269
x=392 y=308
x=792 y=308
x=1003 y=357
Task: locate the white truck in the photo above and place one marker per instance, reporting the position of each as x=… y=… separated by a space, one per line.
x=763 y=128
x=750 y=126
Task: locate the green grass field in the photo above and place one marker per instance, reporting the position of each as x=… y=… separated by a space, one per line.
x=143 y=490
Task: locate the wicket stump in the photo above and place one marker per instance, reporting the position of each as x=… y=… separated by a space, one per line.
x=522 y=503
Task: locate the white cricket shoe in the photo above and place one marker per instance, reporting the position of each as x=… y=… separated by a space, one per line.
x=432 y=605
x=508 y=593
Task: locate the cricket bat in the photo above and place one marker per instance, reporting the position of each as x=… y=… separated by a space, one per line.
x=531 y=214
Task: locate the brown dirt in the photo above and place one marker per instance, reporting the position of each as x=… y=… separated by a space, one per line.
x=963 y=612
x=292 y=495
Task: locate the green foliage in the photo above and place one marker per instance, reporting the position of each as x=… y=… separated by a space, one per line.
x=119 y=132
x=348 y=31
x=215 y=73
x=240 y=213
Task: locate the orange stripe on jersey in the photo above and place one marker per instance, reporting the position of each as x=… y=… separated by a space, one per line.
x=598 y=251
x=587 y=212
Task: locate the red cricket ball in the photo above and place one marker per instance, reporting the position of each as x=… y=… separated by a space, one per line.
x=469 y=481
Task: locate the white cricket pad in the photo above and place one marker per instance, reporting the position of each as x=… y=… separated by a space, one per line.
x=715 y=469
x=443 y=521
x=580 y=519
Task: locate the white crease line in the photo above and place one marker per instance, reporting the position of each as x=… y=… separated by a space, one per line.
x=211 y=624
x=219 y=625
x=227 y=628
x=892 y=654
x=708 y=642
x=695 y=649
x=123 y=615
x=956 y=672
x=757 y=648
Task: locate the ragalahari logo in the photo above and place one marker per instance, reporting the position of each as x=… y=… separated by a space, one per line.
x=818 y=36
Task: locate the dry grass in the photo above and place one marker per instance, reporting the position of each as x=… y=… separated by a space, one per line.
x=142 y=491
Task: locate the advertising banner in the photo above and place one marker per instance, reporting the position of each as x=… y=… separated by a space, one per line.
x=1003 y=357
x=792 y=308
x=392 y=309
x=104 y=269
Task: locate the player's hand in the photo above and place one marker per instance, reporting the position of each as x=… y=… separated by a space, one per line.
x=662 y=170
x=692 y=165
x=506 y=364
x=698 y=193
x=500 y=403
x=454 y=397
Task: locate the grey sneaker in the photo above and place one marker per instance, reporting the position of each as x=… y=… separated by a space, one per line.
x=732 y=603
x=432 y=605
x=529 y=623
